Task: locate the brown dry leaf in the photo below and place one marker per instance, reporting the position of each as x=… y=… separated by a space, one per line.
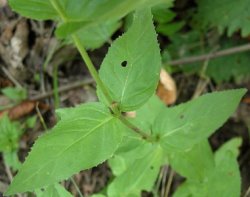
x=166 y=89
x=22 y=109
x=246 y=100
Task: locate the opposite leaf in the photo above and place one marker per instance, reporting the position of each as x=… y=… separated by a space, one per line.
x=131 y=68
x=85 y=137
x=97 y=11
x=38 y=9
x=181 y=127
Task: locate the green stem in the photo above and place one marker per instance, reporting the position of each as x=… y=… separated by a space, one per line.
x=91 y=68
x=94 y=74
x=133 y=127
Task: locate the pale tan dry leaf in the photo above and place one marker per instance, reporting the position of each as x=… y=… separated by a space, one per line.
x=166 y=89
x=131 y=114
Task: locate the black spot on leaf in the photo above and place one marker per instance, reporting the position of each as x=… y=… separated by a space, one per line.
x=124 y=63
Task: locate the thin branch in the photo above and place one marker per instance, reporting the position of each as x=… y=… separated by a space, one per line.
x=170 y=180
x=62 y=89
x=247 y=194
x=226 y=52
x=9 y=75
x=76 y=186
x=9 y=174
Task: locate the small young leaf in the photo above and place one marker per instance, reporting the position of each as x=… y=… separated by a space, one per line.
x=131 y=68
x=85 y=137
x=9 y=134
x=12 y=160
x=181 y=127
x=139 y=176
x=15 y=94
x=38 y=9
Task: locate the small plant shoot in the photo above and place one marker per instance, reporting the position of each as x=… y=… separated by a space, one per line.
x=135 y=148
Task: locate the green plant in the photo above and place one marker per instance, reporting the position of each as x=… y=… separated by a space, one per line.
x=9 y=138
x=136 y=148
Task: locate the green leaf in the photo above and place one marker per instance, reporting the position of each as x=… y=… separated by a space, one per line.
x=92 y=36
x=9 y=134
x=96 y=35
x=85 y=137
x=180 y=128
x=99 y=11
x=38 y=9
x=15 y=94
x=231 y=146
x=121 y=161
x=55 y=190
x=145 y=116
x=134 y=62
x=30 y=122
x=170 y=28
x=233 y=15
x=162 y=13
x=232 y=66
x=226 y=179
x=141 y=175
x=219 y=69
x=98 y=195
x=193 y=164
x=223 y=180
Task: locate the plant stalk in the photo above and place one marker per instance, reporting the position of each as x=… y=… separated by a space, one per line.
x=95 y=75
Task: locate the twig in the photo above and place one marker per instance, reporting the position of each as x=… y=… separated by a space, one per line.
x=164 y=179
x=247 y=194
x=213 y=55
x=41 y=117
x=170 y=180
x=76 y=186
x=9 y=174
x=8 y=74
x=61 y=89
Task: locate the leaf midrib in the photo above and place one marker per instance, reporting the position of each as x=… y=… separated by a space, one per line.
x=60 y=153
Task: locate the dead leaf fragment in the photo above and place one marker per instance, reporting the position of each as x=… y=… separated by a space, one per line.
x=22 y=109
x=166 y=89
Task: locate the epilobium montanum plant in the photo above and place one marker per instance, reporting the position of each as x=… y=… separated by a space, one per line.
x=135 y=148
